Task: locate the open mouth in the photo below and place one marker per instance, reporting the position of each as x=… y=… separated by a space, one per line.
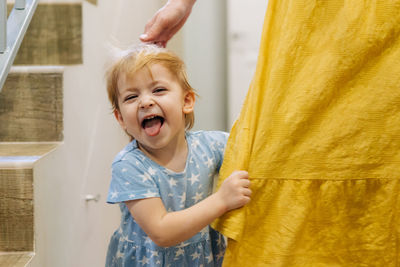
x=152 y=125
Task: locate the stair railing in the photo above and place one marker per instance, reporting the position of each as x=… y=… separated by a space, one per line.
x=12 y=32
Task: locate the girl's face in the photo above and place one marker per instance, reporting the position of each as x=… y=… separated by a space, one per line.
x=152 y=107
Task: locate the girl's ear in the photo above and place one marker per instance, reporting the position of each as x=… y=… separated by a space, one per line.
x=188 y=102
x=120 y=119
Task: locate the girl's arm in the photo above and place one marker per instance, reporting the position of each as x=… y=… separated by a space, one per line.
x=171 y=228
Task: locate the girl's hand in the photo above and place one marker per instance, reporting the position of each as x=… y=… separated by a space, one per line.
x=234 y=191
x=167 y=21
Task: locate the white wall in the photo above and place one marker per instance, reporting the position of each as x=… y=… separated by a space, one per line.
x=204 y=46
x=245 y=21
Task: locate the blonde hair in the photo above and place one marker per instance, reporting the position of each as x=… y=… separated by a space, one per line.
x=127 y=62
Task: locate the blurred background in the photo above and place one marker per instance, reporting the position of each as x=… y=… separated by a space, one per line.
x=219 y=44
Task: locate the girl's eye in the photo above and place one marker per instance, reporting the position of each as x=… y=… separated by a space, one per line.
x=159 y=90
x=130 y=97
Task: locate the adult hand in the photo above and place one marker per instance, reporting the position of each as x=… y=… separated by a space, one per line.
x=167 y=21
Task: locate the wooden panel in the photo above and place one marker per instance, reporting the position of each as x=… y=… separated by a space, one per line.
x=16 y=210
x=54 y=36
x=31 y=107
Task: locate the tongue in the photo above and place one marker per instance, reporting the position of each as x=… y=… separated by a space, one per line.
x=152 y=127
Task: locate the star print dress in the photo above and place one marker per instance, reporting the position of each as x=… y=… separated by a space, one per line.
x=135 y=176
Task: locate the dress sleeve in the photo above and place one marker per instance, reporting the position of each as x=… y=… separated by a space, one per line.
x=218 y=144
x=130 y=181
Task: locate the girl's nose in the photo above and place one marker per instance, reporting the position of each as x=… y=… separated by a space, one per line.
x=146 y=102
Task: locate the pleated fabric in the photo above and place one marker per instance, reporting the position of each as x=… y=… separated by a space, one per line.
x=319 y=134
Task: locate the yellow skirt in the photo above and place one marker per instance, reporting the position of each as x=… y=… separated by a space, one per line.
x=319 y=134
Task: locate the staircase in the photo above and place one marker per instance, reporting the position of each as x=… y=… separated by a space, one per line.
x=31 y=120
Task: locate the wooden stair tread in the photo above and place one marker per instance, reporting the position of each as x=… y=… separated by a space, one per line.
x=23 y=155
x=13 y=259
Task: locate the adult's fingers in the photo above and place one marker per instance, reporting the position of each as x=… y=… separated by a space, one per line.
x=153 y=33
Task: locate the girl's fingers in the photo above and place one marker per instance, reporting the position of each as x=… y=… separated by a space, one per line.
x=245 y=182
x=247 y=192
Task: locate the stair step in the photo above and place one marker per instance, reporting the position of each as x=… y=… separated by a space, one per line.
x=16 y=210
x=15 y=259
x=16 y=197
x=31 y=105
x=54 y=36
x=23 y=155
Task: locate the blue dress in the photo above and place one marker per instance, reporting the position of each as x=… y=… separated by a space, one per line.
x=135 y=176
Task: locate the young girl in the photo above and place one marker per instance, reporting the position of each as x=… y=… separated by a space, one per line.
x=163 y=178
